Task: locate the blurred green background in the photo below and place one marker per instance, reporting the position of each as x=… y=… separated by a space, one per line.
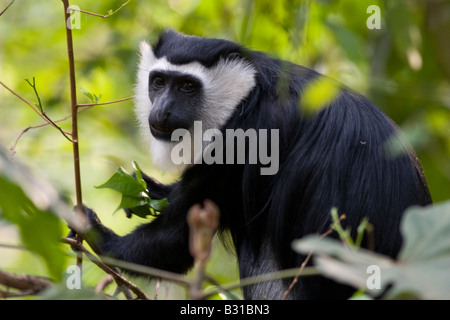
x=404 y=67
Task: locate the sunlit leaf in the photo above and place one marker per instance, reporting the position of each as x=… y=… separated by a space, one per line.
x=159 y=205
x=139 y=175
x=134 y=193
x=318 y=94
x=125 y=183
x=93 y=97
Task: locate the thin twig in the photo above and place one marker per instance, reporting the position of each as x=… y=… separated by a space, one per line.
x=81 y=108
x=91 y=13
x=157 y=286
x=12 y=246
x=282 y=274
x=110 y=13
x=42 y=115
x=120 y=280
x=220 y=288
x=101 y=286
x=305 y=262
x=102 y=103
x=8 y=294
x=145 y=270
x=33 y=85
x=13 y=147
x=9 y=5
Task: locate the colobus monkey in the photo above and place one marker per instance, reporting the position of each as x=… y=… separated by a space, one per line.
x=334 y=158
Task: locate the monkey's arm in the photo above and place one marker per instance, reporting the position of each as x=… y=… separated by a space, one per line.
x=162 y=243
x=156 y=189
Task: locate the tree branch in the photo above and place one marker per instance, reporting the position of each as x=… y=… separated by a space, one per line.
x=73 y=107
x=81 y=108
x=42 y=115
x=110 y=13
x=103 y=103
x=308 y=257
x=282 y=274
x=101 y=286
x=26 y=283
x=118 y=278
x=7 y=7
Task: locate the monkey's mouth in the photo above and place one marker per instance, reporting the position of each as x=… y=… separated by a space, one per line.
x=163 y=133
x=163 y=129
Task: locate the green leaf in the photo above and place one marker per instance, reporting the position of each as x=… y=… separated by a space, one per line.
x=139 y=175
x=318 y=94
x=34 y=208
x=111 y=12
x=349 y=42
x=142 y=211
x=143 y=206
x=399 y=143
x=341 y=263
x=159 y=205
x=132 y=202
x=93 y=97
x=138 y=206
x=426 y=233
x=134 y=193
x=39 y=104
x=423 y=263
x=125 y=183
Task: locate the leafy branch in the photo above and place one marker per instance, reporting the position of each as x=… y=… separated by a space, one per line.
x=80 y=107
x=74 y=109
x=109 y=14
x=335 y=225
x=102 y=103
x=37 y=108
x=33 y=85
x=135 y=196
x=419 y=272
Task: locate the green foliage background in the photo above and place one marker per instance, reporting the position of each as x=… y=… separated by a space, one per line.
x=404 y=68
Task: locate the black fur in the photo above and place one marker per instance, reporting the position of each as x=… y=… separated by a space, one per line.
x=335 y=158
x=181 y=49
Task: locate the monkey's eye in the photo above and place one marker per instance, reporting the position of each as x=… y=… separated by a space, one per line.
x=159 y=82
x=188 y=86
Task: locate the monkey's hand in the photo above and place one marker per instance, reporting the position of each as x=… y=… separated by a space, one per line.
x=156 y=190
x=97 y=235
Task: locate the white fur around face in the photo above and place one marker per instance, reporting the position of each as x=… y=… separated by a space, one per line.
x=225 y=85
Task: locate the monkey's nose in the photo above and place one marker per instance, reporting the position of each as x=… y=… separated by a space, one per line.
x=162 y=116
x=160 y=126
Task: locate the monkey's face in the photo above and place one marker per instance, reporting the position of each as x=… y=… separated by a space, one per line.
x=185 y=79
x=177 y=101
